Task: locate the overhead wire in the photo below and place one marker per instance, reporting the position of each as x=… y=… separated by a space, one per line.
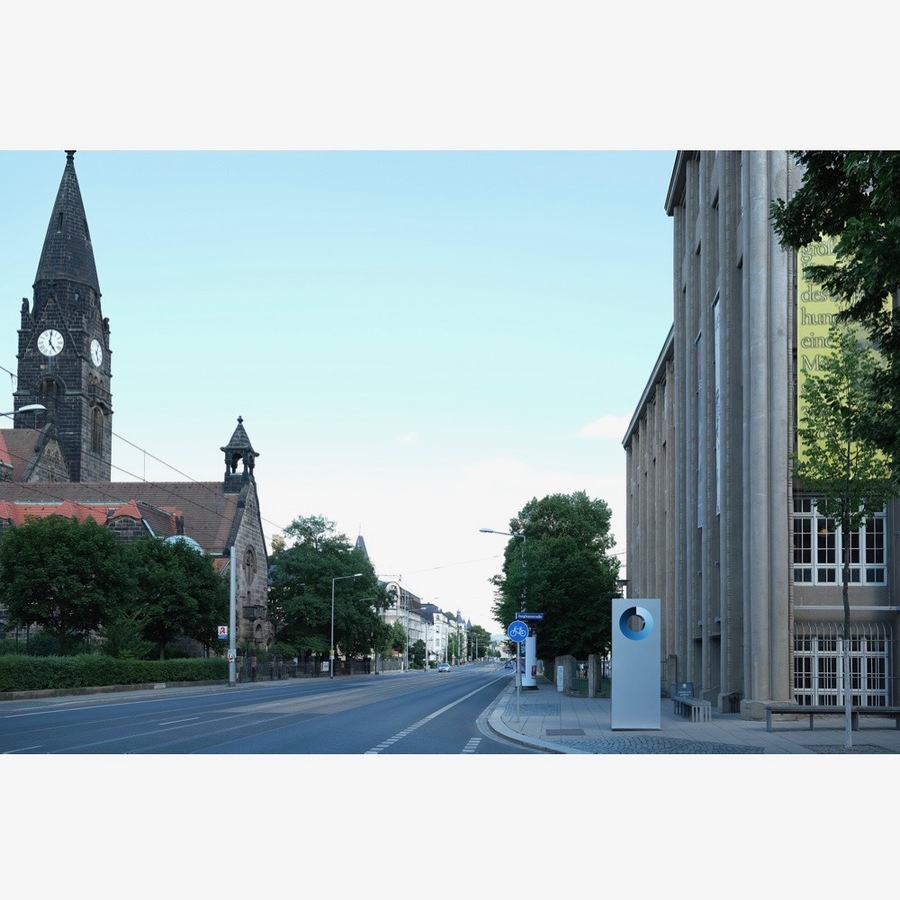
x=164 y=486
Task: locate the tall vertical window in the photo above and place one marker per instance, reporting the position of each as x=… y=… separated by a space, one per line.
x=97 y=431
x=717 y=367
x=698 y=412
x=818 y=548
x=48 y=396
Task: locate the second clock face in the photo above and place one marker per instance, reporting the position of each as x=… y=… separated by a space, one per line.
x=50 y=342
x=96 y=353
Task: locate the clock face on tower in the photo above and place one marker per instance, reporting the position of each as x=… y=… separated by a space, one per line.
x=96 y=353
x=50 y=342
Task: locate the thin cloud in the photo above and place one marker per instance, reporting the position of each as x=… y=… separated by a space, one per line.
x=606 y=427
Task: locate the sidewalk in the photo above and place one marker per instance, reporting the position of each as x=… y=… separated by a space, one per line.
x=549 y=720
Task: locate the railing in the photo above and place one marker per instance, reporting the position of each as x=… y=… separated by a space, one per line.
x=578 y=677
x=275 y=668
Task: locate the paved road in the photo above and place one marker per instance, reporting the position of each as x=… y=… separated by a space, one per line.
x=413 y=713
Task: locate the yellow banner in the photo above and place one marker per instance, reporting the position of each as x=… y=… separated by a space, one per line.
x=816 y=312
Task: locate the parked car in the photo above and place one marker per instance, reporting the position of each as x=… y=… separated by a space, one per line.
x=444 y=667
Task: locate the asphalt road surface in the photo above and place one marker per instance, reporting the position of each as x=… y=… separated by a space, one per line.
x=395 y=713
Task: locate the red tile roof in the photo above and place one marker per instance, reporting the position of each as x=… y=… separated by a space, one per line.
x=210 y=515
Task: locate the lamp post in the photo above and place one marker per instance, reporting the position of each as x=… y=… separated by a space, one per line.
x=331 y=653
x=31 y=407
x=520 y=536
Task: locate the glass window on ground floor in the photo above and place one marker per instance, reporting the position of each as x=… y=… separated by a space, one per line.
x=819 y=670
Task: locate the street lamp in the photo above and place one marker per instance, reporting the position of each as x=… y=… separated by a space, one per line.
x=331 y=656
x=521 y=536
x=31 y=407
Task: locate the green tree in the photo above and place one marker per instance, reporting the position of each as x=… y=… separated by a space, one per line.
x=839 y=464
x=562 y=567
x=398 y=638
x=478 y=642
x=122 y=635
x=854 y=197
x=301 y=584
x=417 y=654
x=175 y=591
x=61 y=574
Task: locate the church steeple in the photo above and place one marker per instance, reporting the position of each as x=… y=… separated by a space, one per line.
x=67 y=255
x=64 y=355
x=236 y=450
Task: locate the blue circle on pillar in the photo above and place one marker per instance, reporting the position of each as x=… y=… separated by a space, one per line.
x=644 y=631
x=517 y=631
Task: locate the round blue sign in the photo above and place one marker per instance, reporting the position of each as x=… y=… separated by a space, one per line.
x=517 y=632
x=636 y=623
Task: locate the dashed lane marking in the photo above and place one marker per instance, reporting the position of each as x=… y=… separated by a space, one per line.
x=407 y=731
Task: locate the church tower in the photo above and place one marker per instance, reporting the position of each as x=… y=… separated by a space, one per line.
x=238 y=450
x=64 y=357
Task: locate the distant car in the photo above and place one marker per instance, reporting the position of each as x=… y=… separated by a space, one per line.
x=444 y=667
x=509 y=664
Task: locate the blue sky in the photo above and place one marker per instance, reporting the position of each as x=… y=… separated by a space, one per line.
x=418 y=342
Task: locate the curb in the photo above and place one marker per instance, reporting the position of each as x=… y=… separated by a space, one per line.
x=494 y=718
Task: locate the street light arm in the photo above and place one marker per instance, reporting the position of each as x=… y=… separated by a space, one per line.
x=31 y=407
x=331 y=648
x=514 y=534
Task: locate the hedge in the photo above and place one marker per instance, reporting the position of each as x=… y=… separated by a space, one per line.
x=39 y=673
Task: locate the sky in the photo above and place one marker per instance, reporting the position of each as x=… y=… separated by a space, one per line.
x=418 y=342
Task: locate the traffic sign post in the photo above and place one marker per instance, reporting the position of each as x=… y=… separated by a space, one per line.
x=518 y=632
x=529 y=649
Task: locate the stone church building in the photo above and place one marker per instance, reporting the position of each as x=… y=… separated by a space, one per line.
x=57 y=457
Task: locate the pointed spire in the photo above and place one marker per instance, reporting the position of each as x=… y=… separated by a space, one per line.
x=67 y=253
x=237 y=449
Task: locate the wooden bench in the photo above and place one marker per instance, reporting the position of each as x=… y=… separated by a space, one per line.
x=698 y=710
x=794 y=709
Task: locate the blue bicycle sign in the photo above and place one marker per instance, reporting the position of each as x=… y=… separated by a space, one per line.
x=517 y=632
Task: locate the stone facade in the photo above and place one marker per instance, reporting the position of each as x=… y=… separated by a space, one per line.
x=64 y=357
x=715 y=523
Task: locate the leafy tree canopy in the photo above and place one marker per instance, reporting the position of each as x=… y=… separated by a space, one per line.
x=840 y=464
x=478 y=641
x=854 y=197
x=61 y=574
x=175 y=591
x=301 y=586
x=563 y=568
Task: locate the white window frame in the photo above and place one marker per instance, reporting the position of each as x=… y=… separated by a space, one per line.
x=818 y=548
x=819 y=670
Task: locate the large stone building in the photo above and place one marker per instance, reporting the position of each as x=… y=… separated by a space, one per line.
x=57 y=459
x=717 y=528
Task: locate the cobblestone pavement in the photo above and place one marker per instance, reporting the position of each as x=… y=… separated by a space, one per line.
x=656 y=745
